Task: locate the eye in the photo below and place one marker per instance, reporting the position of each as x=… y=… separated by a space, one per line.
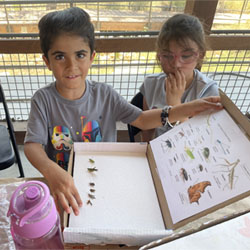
x=186 y=56
x=81 y=55
x=168 y=56
x=59 y=57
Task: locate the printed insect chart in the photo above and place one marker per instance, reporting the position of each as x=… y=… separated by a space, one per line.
x=202 y=163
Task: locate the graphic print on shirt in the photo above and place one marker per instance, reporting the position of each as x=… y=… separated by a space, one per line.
x=91 y=132
x=61 y=138
x=62 y=141
x=62 y=159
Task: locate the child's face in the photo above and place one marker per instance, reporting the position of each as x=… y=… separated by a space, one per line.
x=69 y=59
x=180 y=58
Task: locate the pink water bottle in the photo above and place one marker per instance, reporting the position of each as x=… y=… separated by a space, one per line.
x=35 y=223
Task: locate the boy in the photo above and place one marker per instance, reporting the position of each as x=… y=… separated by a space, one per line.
x=75 y=109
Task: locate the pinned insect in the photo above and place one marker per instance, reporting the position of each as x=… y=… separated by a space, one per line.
x=91 y=160
x=89 y=202
x=91 y=196
x=92 y=184
x=94 y=169
x=92 y=190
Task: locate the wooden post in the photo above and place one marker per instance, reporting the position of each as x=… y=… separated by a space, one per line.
x=204 y=10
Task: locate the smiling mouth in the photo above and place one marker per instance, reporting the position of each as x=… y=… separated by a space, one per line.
x=72 y=76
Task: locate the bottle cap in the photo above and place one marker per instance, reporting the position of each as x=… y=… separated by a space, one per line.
x=32 y=210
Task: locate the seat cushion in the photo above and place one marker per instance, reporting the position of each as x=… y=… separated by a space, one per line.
x=7 y=156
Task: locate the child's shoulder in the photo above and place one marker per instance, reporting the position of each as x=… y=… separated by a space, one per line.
x=94 y=85
x=155 y=78
x=99 y=88
x=45 y=90
x=202 y=78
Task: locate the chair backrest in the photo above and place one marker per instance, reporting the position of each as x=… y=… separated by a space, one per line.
x=137 y=100
x=5 y=147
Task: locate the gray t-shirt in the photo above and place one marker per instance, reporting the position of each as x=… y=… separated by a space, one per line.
x=153 y=90
x=56 y=122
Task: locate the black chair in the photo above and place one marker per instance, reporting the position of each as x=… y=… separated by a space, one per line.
x=137 y=100
x=9 y=153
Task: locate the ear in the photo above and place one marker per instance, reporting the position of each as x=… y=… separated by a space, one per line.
x=158 y=57
x=46 y=60
x=202 y=55
x=92 y=57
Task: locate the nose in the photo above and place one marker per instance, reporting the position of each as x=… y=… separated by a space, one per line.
x=176 y=62
x=71 y=63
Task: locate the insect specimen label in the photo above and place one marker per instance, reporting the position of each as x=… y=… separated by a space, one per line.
x=202 y=163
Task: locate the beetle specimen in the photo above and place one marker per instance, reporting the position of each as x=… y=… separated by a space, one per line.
x=92 y=169
x=91 y=196
x=91 y=160
x=92 y=190
x=92 y=184
x=89 y=202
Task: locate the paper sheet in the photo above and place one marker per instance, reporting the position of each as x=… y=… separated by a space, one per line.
x=230 y=235
x=202 y=162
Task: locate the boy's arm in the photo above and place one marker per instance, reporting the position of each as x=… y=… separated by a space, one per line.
x=152 y=118
x=60 y=182
x=147 y=135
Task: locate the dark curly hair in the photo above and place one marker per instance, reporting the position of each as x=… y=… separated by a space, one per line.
x=74 y=21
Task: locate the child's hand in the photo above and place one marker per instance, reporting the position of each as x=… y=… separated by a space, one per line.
x=175 y=86
x=63 y=190
x=189 y=109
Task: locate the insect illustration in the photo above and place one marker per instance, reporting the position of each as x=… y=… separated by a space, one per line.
x=189 y=153
x=206 y=152
x=183 y=174
x=166 y=145
x=231 y=172
x=181 y=134
x=194 y=192
x=200 y=167
x=223 y=146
